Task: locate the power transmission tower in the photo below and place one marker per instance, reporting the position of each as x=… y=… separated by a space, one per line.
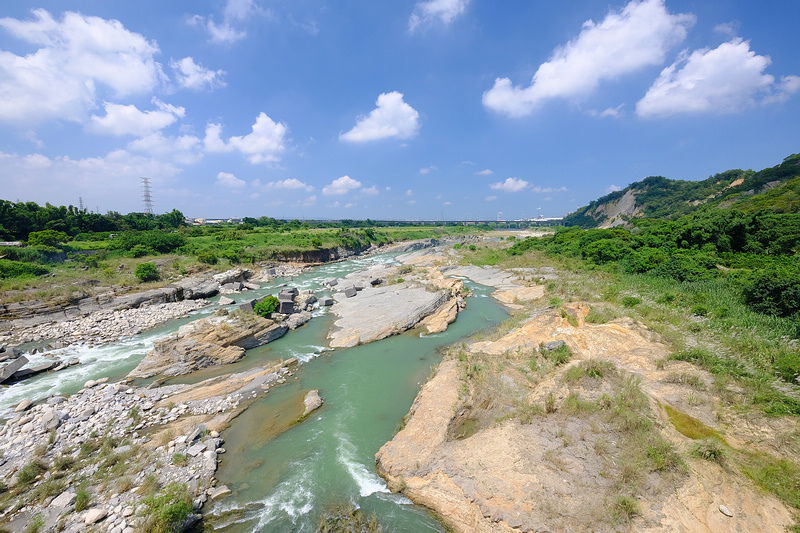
x=80 y=203
x=148 y=200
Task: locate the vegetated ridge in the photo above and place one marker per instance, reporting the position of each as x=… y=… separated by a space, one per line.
x=776 y=188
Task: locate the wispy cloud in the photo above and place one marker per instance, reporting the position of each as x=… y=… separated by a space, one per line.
x=432 y=10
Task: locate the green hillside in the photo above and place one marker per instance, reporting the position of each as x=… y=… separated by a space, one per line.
x=776 y=188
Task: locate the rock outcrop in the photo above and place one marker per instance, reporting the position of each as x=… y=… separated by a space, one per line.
x=217 y=340
x=557 y=469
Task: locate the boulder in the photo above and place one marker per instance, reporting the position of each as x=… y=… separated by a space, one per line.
x=247 y=306
x=12 y=367
x=224 y=300
x=312 y=401
x=298 y=319
x=63 y=500
x=220 y=493
x=93 y=516
x=553 y=345
x=23 y=405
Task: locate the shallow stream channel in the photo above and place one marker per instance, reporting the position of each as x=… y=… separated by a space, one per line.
x=284 y=474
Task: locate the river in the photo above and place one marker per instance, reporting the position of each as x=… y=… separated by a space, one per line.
x=284 y=482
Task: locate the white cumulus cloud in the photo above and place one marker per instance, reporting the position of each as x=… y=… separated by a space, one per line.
x=226 y=179
x=638 y=36
x=77 y=57
x=443 y=10
x=263 y=145
x=510 y=185
x=340 y=186
x=726 y=79
x=392 y=118
x=129 y=120
x=484 y=172
x=191 y=75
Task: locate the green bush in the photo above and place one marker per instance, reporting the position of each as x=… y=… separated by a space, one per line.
x=47 y=237
x=230 y=255
x=774 y=290
x=17 y=269
x=208 y=258
x=630 y=301
x=266 y=307
x=140 y=250
x=147 y=272
x=168 y=508
x=161 y=241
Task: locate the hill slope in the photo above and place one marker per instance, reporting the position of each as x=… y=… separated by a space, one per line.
x=776 y=188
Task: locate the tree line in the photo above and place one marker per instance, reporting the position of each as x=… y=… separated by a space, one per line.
x=19 y=219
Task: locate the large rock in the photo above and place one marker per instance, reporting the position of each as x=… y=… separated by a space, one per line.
x=207 y=342
x=220 y=493
x=9 y=370
x=312 y=401
x=381 y=312
x=93 y=516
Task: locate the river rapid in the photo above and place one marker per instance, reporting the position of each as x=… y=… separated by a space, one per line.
x=283 y=479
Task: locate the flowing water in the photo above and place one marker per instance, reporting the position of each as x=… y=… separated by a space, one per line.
x=283 y=479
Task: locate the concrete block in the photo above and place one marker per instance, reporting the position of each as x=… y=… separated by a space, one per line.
x=325 y=301
x=350 y=291
x=286 y=307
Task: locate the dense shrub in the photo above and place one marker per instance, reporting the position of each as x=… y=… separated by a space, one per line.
x=208 y=258
x=231 y=255
x=47 y=237
x=162 y=242
x=774 y=290
x=266 y=307
x=147 y=272
x=140 y=250
x=17 y=269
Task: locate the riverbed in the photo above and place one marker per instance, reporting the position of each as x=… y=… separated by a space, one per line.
x=283 y=479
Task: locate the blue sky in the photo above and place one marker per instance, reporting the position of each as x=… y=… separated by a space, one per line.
x=403 y=109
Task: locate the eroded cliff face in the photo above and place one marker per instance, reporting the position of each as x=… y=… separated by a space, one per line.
x=503 y=438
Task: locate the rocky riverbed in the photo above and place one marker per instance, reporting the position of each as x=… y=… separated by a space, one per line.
x=96 y=456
